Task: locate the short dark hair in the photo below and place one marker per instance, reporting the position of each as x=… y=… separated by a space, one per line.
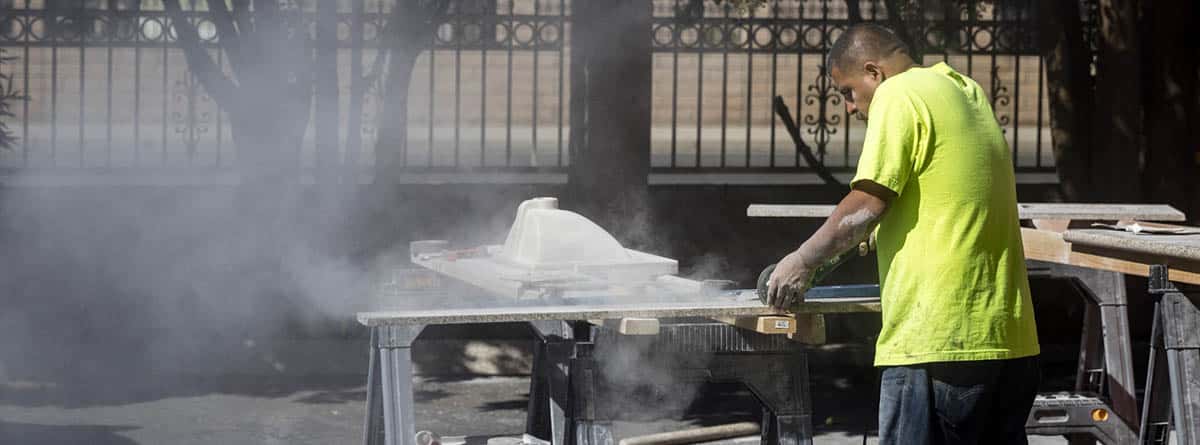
x=862 y=42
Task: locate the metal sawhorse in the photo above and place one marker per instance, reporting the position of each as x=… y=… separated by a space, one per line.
x=1103 y=405
x=389 y=419
x=567 y=403
x=1172 y=397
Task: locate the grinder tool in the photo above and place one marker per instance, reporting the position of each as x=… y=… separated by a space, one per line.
x=868 y=290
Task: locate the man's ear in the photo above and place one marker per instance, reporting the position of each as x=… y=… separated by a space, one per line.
x=874 y=70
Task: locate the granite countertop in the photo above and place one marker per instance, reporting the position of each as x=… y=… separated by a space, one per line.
x=716 y=308
x=1185 y=247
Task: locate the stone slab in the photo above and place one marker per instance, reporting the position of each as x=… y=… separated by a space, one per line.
x=716 y=308
x=1075 y=211
x=1185 y=247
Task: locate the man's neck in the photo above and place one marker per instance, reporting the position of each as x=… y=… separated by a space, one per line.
x=897 y=64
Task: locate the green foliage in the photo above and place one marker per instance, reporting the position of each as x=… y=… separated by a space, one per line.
x=8 y=96
x=743 y=7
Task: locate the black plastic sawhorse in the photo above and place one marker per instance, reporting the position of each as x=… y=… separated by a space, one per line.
x=1172 y=397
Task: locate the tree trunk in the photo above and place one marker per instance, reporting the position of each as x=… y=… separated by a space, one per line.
x=1071 y=99
x=392 y=146
x=1117 y=162
x=357 y=90
x=897 y=23
x=1171 y=108
x=410 y=28
x=610 y=162
x=328 y=116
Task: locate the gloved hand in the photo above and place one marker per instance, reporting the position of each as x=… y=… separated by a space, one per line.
x=791 y=279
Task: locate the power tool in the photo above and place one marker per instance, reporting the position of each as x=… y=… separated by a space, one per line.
x=819 y=292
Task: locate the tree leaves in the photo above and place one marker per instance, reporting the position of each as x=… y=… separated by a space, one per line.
x=743 y=7
x=8 y=95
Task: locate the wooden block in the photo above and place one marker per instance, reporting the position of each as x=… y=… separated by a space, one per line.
x=763 y=324
x=1052 y=225
x=810 y=329
x=1045 y=245
x=634 y=326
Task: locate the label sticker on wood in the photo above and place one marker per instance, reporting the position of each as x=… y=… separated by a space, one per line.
x=783 y=324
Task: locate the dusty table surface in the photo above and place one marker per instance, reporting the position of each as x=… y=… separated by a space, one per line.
x=1142 y=212
x=714 y=308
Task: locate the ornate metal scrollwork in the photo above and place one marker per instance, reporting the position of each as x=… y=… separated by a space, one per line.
x=191 y=123
x=1000 y=97
x=823 y=124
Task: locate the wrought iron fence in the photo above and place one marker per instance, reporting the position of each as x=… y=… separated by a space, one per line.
x=110 y=87
x=717 y=72
x=111 y=90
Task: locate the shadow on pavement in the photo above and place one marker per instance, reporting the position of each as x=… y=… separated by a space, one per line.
x=109 y=391
x=34 y=434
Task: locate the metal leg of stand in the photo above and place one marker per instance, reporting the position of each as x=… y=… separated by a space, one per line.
x=1107 y=291
x=389 y=386
x=591 y=418
x=781 y=384
x=1156 y=408
x=547 y=417
x=1173 y=374
x=1181 y=321
x=373 y=427
x=1104 y=379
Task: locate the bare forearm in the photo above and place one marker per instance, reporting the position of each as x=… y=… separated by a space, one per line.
x=851 y=222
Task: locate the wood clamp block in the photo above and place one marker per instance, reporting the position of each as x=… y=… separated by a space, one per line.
x=630 y=325
x=803 y=328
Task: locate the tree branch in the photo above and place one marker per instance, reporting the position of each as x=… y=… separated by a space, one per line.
x=785 y=115
x=896 y=20
x=241 y=16
x=227 y=32
x=222 y=90
x=853 y=11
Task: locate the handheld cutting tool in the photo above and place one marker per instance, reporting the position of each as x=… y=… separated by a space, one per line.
x=819 y=292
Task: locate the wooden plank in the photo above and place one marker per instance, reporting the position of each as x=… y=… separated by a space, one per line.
x=1045 y=245
x=763 y=324
x=1134 y=263
x=1060 y=211
x=705 y=309
x=1116 y=251
x=810 y=329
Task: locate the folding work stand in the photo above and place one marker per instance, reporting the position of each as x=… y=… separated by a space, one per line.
x=569 y=398
x=772 y=367
x=390 y=393
x=1173 y=374
x=1103 y=404
x=389 y=386
x=549 y=398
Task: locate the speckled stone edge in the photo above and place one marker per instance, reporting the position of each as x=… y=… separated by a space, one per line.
x=605 y=312
x=1170 y=246
x=1032 y=210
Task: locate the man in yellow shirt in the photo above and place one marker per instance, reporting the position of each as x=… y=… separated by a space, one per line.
x=958 y=343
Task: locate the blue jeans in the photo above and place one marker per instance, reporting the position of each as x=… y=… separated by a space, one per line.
x=979 y=402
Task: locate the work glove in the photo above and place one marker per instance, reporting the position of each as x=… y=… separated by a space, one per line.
x=790 y=280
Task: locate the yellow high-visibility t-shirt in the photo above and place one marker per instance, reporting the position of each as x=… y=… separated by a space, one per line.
x=951 y=264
